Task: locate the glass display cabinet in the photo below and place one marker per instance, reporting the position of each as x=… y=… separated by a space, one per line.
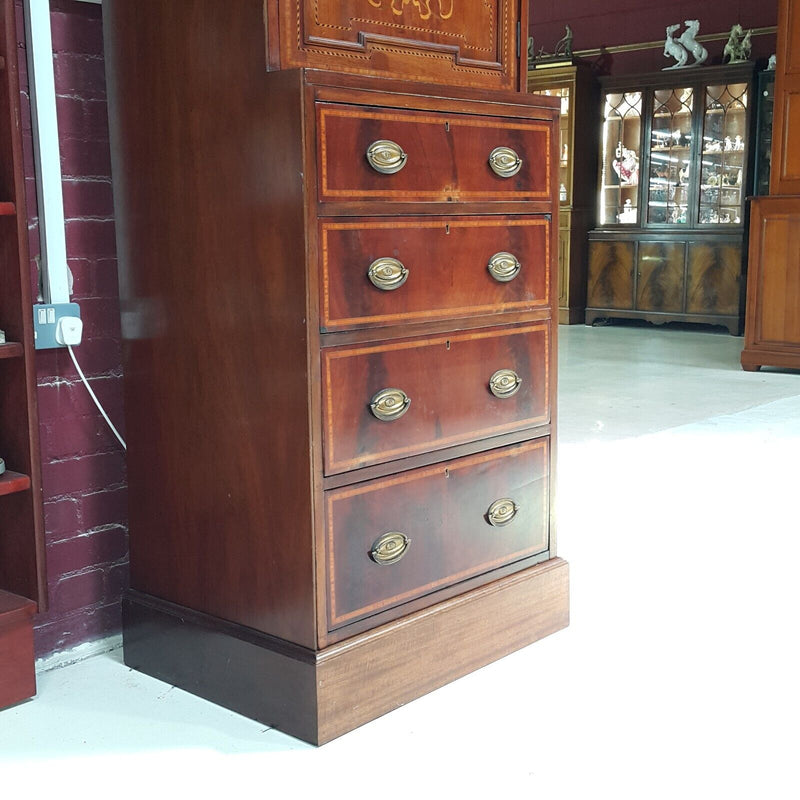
x=577 y=88
x=674 y=172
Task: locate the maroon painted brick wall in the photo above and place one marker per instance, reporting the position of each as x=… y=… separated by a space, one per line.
x=83 y=466
x=597 y=24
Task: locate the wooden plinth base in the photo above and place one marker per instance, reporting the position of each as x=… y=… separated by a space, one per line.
x=317 y=696
x=17 y=673
x=755 y=358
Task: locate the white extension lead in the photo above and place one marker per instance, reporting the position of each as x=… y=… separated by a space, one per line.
x=69 y=332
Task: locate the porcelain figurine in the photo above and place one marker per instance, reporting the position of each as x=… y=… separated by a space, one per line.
x=693 y=47
x=738 y=46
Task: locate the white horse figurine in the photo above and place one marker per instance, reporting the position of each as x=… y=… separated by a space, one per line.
x=674 y=49
x=687 y=39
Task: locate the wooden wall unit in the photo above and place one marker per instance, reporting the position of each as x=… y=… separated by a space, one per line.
x=445 y=41
x=772 y=324
x=578 y=90
x=274 y=333
x=674 y=169
x=23 y=584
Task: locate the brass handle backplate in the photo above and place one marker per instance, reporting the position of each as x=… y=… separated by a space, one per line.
x=389 y=548
x=504 y=267
x=504 y=383
x=501 y=512
x=505 y=162
x=386 y=157
x=387 y=274
x=389 y=404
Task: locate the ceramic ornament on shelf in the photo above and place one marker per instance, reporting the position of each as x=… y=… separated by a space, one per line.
x=685 y=45
x=738 y=47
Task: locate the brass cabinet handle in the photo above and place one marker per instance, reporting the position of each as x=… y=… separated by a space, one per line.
x=504 y=383
x=501 y=512
x=504 y=267
x=386 y=157
x=505 y=162
x=389 y=404
x=389 y=548
x=387 y=274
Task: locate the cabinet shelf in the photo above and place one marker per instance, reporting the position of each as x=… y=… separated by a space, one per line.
x=11 y=350
x=13 y=482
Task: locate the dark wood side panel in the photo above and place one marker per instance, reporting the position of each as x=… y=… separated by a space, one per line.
x=447 y=380
x=443 y=511
x=447 y=156
x=447 y=259
x=661 y=276
x=441 y=41
x=610 y=274
x=208 y=190
x=714 y=285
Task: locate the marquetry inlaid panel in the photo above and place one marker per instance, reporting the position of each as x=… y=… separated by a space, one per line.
x=444 y=41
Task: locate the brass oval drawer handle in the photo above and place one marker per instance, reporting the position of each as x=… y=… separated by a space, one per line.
x=389 y=548
x=504 y=383
x=505 y=162
x=502 y=512
x=504 y=267
x=386 y=157
x=387 y=274
x=389 y=404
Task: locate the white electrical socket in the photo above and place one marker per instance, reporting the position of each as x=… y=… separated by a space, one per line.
x=69 y=330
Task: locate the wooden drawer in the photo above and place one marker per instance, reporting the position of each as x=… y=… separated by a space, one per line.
x=444 y=511
x=447 y=268
x=446 y=379
x=447 y=155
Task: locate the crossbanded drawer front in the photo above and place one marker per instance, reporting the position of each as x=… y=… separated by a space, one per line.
x=406 y=156
x=395 y=399
x=394 y=539
x=416 y=269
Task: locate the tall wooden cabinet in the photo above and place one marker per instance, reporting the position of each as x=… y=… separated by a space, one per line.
x=674 y=171
x=772 y=327
x=23 y=587
x=576 y=88
x=339 y=345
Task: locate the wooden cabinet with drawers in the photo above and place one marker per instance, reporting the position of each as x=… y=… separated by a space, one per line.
x=340 y=377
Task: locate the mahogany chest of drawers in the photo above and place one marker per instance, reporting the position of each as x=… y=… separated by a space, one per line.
x=339 y=350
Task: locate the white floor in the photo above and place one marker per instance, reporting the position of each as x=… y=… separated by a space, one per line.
x=678 y=678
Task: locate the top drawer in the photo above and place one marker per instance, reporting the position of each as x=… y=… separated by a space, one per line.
x=430 y=157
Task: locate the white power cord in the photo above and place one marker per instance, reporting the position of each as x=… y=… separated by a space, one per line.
x=94 y=397
x=68 y=332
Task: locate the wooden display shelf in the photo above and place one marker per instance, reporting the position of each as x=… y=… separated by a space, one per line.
x=11 y=350
x=17 y=674
x=13 y=607
x=12 y=482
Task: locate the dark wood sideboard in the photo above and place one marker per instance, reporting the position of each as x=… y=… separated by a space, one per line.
x=339 y=333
